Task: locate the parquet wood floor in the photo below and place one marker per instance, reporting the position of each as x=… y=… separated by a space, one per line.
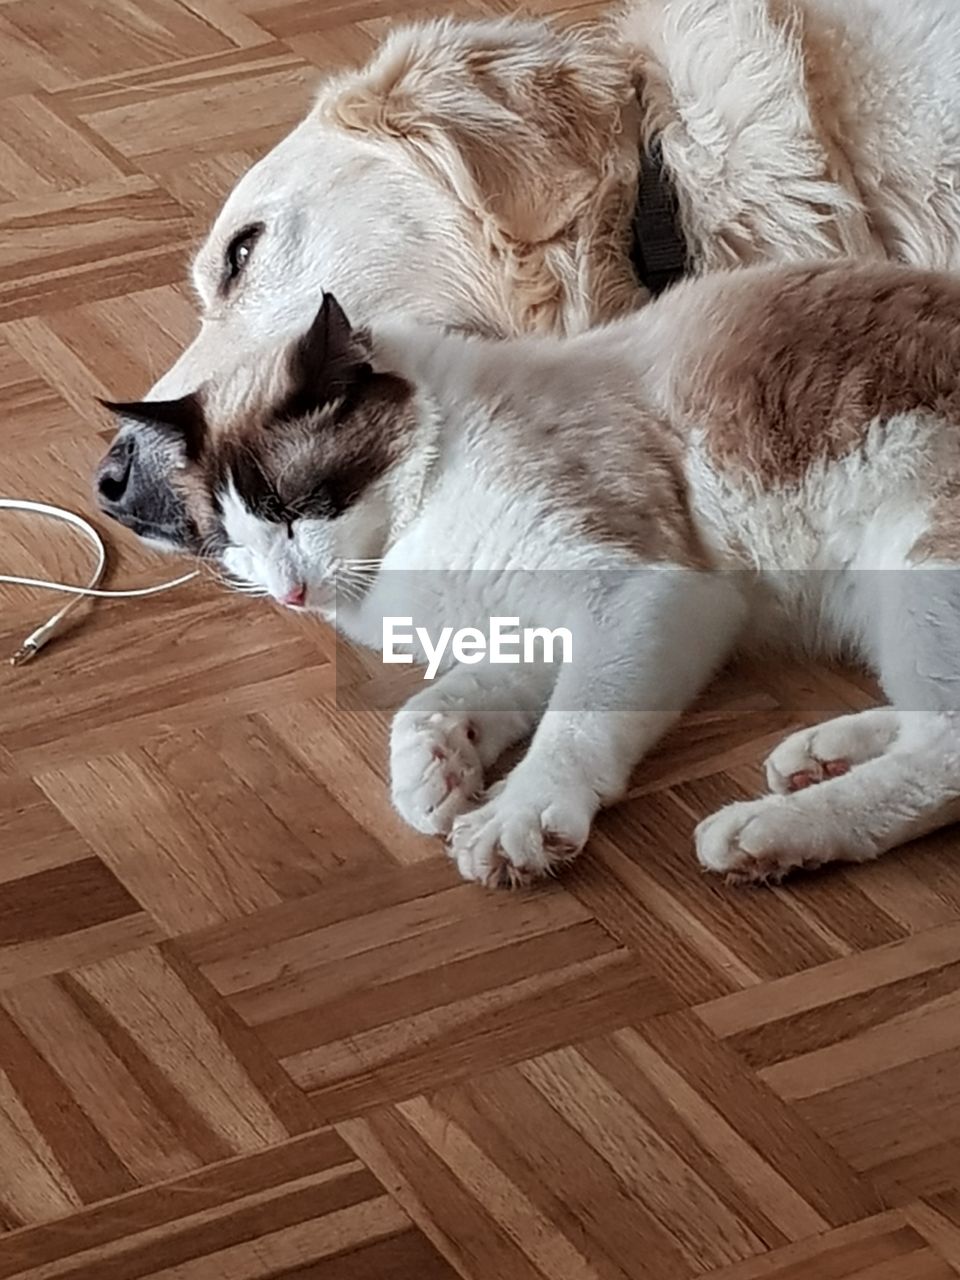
x=250 y=1026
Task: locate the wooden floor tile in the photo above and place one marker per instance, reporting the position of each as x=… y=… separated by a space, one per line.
x=254 y=1027
x=303 y=1208
x=113 y=236
x=169 y=116
x=364 y=1000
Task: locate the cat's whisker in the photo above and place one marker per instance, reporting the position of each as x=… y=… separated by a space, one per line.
x=353 y=579
x=236 y=585
x=351 y=586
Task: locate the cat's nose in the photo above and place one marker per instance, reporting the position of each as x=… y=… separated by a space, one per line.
x=295 y=597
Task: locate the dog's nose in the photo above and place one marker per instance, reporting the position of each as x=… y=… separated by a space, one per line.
x=113 y=474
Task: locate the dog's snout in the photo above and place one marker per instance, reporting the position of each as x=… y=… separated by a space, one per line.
x=113 y=474
x=134 y=486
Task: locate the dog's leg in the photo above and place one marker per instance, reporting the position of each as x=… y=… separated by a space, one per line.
x=884 y=776
x=445 y=738
x=661 y=636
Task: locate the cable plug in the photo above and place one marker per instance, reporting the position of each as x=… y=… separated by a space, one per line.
x=34 y=643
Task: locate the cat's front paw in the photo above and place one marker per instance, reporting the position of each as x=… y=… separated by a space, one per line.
x=520 y=834
x=759 y=842
x=435 y=770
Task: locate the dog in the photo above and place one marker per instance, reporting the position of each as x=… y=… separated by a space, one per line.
x=485 y=176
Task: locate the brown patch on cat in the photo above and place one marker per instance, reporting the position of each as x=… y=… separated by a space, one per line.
x=652 y=514
x=188 y=485
x=643 y=509
x=804 y=362
x=319 y=465
x=941 y=542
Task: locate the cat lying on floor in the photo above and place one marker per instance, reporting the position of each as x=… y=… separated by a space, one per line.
x=770 y=456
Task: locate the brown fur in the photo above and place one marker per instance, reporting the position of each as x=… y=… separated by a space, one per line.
x=480 y=121
x=317 y=465
x=805 y=362
x=941 y=544
x=649 y=510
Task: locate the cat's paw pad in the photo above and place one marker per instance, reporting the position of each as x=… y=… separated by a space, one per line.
x=760 y=841
x=435 y=770
x=517 y=837
x=829 y=750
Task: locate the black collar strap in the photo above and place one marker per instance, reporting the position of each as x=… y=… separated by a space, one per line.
x=659 y=248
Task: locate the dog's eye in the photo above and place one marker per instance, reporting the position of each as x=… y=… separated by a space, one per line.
x=239 y=251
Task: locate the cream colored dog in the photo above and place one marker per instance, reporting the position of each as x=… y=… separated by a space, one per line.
x=484 y=175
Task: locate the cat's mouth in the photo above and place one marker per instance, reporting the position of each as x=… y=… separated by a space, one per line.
x=295 y=598
x=312 y=597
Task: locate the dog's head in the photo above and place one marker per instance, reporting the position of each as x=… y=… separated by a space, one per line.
x=479 y=176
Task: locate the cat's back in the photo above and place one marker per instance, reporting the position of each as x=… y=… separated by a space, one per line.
x=782 y=369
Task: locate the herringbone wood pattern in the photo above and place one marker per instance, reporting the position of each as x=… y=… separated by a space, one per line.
x=250 y=1026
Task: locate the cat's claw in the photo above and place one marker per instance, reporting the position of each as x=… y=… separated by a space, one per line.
x=436 y=772
x=518 y=837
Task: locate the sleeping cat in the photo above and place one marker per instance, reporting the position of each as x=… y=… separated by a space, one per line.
x=766 y=457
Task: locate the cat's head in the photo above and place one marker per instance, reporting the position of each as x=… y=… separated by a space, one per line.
x=280 y=468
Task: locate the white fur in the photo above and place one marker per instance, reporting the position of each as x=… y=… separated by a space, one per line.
x=814 y=128
x=823 y=565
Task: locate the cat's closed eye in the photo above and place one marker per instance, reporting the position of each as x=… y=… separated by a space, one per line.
x=316 y=505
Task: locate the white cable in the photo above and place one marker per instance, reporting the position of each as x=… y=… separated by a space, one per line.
x=37 y=639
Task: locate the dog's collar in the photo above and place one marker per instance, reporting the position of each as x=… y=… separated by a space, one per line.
x=659 y=254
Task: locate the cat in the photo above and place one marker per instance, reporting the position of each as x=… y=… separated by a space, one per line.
x=765 y=457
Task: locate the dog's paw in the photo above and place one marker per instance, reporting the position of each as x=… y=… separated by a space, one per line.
x=761 y=841
x=435 y=770
x=520 y=834
x=830 y=750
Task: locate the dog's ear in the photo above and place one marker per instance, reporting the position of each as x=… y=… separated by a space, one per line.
x=520 y=120
x=181 y=421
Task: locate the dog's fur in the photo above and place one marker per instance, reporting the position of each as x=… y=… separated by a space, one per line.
x=482 y=177
x=765 y=456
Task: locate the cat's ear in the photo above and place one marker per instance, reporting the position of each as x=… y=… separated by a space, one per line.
x=180 y=421
x=324 y=363
x=328 y=343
